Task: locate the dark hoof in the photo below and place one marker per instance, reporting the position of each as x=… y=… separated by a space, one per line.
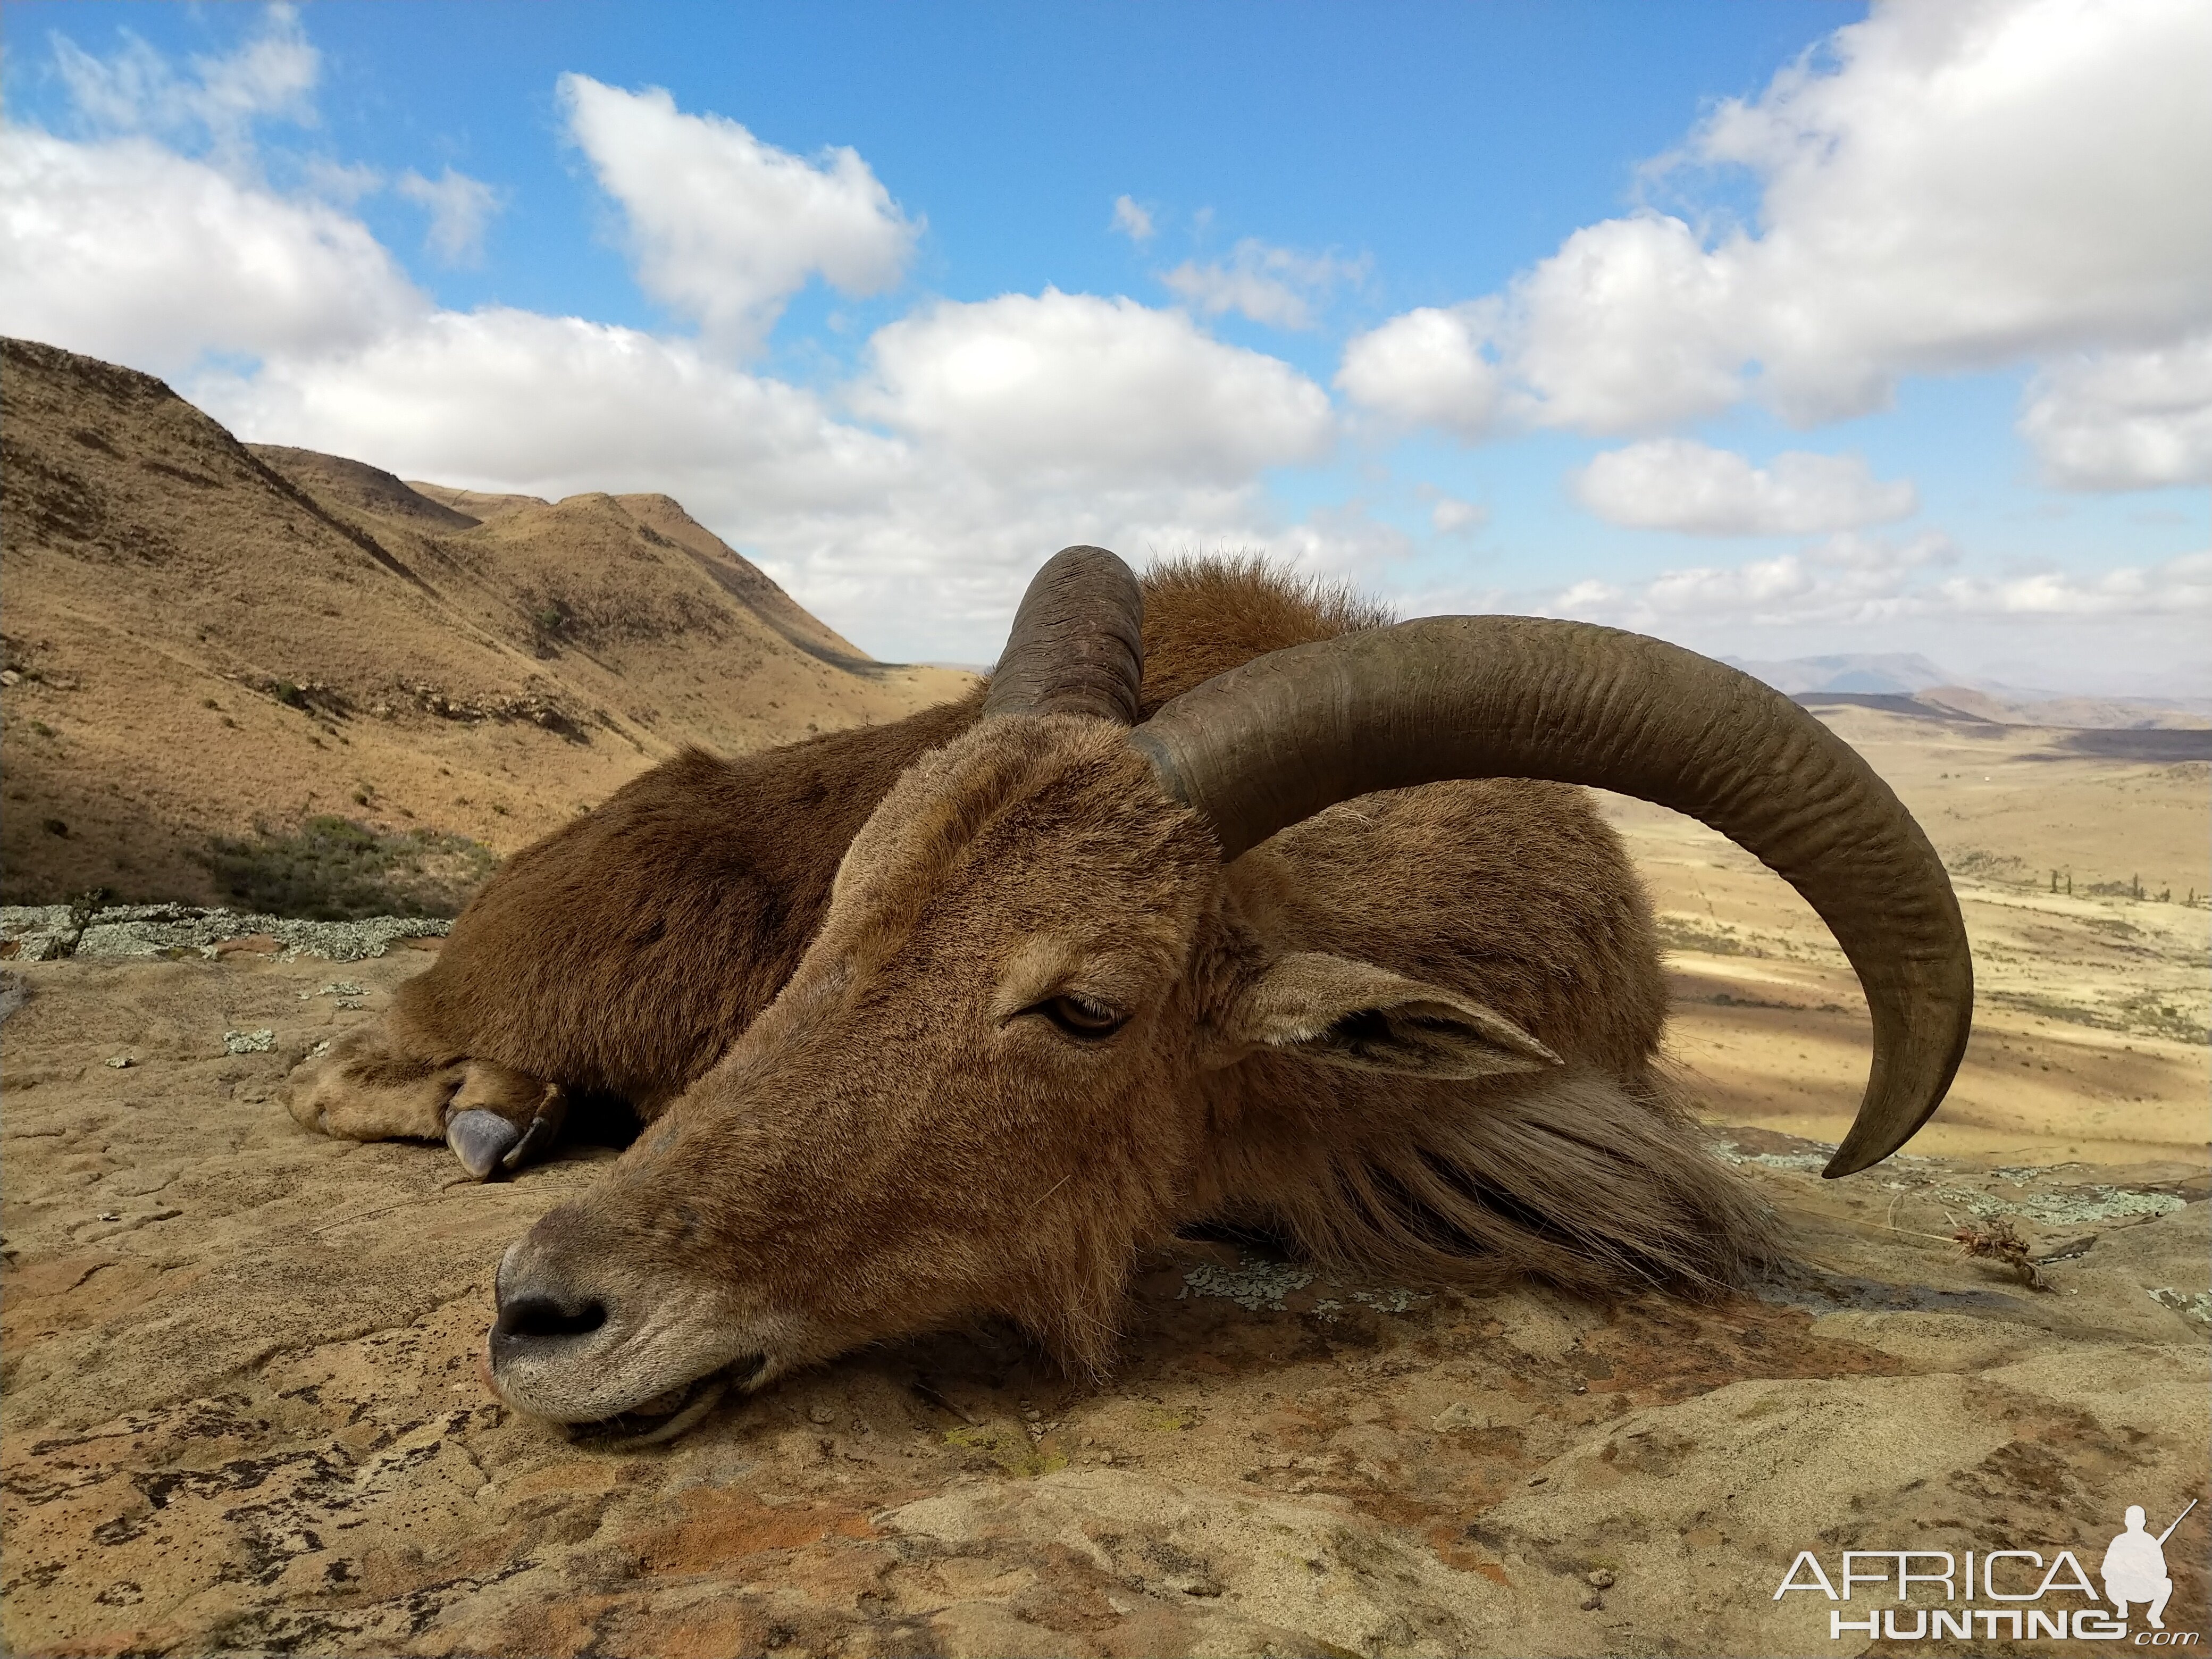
x=536 y=1140
x=483 y=1140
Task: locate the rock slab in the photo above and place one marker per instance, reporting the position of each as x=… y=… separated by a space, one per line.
x=244 y=1415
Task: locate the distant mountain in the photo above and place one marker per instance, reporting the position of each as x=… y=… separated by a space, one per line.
x=1900 y=675
x=1895 y=672
x=210 y=646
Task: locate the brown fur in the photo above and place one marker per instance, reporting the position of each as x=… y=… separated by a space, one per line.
x=823 y=974
x=627 y=951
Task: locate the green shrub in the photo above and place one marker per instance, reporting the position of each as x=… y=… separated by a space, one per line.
x=332 y=869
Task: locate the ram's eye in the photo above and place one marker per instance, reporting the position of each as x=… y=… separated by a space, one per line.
x=1080 y=1016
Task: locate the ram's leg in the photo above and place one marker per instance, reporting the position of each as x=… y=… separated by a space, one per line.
x=374 y=1085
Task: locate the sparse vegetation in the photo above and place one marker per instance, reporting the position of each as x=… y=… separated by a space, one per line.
x=333 y=869
x=1985 y=865
x=1714 y=940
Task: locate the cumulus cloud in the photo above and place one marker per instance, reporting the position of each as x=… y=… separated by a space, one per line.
x=725 y=229
x=1270 y=285
x=2181 y=586
x=1948 y=185
x=1852 y=579
x=215 y=100
x=1080 y=387
x=1847 y=578
x=2124 y=419
x=1133 y=220
x=551 y=404
x=1677 y=483
x=126 y=249
x=1428 y=367
x=459 y=208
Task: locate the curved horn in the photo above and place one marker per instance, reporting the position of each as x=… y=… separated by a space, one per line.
x=1077 y=643
x=1275 y=741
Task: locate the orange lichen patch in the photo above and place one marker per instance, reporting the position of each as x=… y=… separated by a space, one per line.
x=1451 y=1546
x=55 y=1277
x=1658 y=1351
x=566 y=1624
x=719 y=1528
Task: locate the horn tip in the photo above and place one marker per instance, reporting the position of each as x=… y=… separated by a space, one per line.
x=1845 y=1163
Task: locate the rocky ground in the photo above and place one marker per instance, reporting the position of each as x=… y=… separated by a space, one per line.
x=243 y=1413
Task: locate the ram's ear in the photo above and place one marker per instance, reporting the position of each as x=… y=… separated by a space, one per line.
x=1356 y=1014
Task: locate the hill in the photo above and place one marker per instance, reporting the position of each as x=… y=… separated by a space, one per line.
x=1906 y=678
x=244 y=673
x=1869 y=672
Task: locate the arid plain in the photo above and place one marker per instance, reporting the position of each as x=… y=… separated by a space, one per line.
x=2090 y=1006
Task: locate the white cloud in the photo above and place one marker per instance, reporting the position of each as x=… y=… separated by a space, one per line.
x=1630 y=325
x=1133 y=220
x=137 y=91
x=1427 y=368
x=725 y=229
x=1270 y=285
x=2124 y=419
x=126 y=250
x=1847 y=578
x=1450 y=516
x=460 y=208
x=1677 y=483
x=1854 y=580
x=1080 y=387
x=1950 y=184
x=539 y=404
x=2177 y=585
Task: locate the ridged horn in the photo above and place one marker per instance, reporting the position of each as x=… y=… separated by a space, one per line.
x=1280 y=739
x=1077 y=643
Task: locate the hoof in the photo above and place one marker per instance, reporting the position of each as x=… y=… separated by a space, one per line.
x=484 y=1141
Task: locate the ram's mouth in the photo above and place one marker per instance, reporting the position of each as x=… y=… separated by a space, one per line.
x=667 y=1415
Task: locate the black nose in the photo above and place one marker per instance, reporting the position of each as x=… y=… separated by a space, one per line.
x=537 y=1324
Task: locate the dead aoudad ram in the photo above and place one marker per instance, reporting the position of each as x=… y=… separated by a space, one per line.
x=1226 y=901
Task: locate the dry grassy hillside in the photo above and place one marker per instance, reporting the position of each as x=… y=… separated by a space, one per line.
x=214 y=651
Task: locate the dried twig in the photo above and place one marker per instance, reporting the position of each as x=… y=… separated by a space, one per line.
x=2000 y=1241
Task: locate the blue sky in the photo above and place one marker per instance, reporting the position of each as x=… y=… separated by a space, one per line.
x=1774 y=329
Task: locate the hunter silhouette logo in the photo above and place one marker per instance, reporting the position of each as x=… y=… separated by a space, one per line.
x=2027 y=1598
x=2134 y=1567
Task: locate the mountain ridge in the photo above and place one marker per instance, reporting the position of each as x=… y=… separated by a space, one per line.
x=211 y=641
